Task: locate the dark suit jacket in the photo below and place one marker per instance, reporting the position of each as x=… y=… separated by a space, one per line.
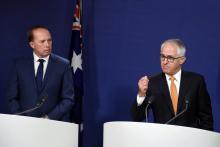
x=192 y=88
x=57 y=86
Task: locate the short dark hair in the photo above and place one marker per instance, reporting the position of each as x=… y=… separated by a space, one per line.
x=30 y=35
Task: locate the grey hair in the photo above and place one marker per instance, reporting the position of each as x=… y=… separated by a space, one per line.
x=181 y=46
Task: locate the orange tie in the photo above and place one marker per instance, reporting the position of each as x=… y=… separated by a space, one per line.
x=173 y=94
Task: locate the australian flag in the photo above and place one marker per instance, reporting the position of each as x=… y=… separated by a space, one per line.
x=76 y=63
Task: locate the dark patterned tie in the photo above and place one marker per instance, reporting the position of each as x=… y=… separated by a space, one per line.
x=39 y=76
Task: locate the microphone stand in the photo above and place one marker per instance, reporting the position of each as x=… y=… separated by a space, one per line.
x=169 y=121
x=150 y=99
x=29 y=110
x=36 y=107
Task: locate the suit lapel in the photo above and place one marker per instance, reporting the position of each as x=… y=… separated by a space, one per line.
x=48 y=71
x=30 y=67
x=166 y=93
x=182 y=92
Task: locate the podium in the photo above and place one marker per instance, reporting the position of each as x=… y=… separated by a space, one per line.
x=23 y=131
x=136 y=134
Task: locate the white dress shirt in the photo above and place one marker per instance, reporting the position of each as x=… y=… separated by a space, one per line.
x=36 y=63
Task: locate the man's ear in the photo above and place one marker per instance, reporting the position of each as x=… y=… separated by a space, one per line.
x=31 y=44
x=182 y=60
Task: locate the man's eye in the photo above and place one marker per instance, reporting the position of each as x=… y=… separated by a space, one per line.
x=169 y=57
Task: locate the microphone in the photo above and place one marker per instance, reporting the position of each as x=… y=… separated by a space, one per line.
x=176 y=116
x=38 y=105
x=149 y=101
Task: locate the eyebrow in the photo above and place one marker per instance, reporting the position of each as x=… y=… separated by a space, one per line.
x=167 y=55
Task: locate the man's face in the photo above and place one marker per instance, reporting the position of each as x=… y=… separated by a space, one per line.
x=42 y=42
x=170 y=60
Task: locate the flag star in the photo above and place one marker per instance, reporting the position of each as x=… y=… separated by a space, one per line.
x=76 y=61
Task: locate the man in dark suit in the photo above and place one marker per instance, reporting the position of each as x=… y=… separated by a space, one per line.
x=42 y=80
x=174 y=90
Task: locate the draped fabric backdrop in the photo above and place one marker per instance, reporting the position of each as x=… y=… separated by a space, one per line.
x=121 y=43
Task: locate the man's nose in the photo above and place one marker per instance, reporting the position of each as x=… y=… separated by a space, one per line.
x=47 y=43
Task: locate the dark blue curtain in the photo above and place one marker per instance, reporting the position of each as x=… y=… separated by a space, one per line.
x=121 y=43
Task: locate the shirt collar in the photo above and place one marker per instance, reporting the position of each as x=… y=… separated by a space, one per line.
x=177 y=76
x=36 y=58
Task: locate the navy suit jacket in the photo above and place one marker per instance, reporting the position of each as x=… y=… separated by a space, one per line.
x=192 y=88
x=57 y=87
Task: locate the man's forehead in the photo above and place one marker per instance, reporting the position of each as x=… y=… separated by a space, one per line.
x=42 y=35
x=169 y=49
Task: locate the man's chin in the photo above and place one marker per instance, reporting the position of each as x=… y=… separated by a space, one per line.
x=47 y=53
x=166 y=72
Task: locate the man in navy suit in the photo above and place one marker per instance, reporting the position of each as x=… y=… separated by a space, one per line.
x=42 y=80
x=173 y=91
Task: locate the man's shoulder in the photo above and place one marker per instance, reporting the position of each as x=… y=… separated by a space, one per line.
x=157 y=79
x=193 y=75
x=58 y=59
x=157 y=76
x=22 y=60
x=185 y=74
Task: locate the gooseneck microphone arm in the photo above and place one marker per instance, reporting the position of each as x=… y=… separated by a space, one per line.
x=149 y=101
x=179 y=114
x=38 y=105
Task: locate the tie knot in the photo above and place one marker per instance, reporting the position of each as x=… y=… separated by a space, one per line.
x=41 y=60
x=172 y=78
